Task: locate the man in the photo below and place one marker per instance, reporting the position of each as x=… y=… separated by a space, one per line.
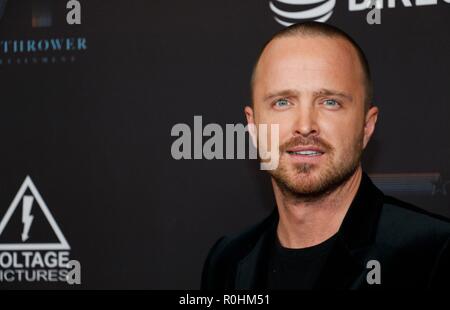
x=332 y=227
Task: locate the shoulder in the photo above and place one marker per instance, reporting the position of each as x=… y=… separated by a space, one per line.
x=409 y=232
x=416 y=240
x=409 y=220
x=226 y=253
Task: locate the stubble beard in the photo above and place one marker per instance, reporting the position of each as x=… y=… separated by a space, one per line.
x=310 y=181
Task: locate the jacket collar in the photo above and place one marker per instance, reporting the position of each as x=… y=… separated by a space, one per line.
x=357 y=232
x=359 y=225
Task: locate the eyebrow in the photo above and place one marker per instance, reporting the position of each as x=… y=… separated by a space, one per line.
x=330 y=92
x=320 y=92
x=282 y=93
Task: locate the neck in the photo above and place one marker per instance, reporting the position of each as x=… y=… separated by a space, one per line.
x=308 y=222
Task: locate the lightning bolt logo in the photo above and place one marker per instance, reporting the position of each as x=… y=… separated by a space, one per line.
x=27 y=218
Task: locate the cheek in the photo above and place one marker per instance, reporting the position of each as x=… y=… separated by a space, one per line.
x=343 y=133
x=282 y=119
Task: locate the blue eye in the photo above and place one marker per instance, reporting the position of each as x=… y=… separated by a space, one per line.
x=331 y=103
x=280 y=103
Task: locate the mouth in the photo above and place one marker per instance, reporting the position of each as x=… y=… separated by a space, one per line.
x=305 y=151
x=306 y=154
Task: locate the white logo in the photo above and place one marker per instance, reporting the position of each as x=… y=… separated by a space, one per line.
x=25 y=203
x=221 y=142
x=374 y=275
x=321 y=11
x=288 y=12
x=74 y=15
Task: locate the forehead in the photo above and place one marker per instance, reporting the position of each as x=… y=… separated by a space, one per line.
x=308 y=62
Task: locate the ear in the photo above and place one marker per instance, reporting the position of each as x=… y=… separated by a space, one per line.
x=249 y=114
x=369 y=124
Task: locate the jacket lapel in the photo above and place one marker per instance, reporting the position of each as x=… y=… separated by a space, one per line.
x=342 y=270
x=346 y=265
x=251 y=272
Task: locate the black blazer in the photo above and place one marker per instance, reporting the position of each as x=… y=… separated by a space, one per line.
x=412 y=246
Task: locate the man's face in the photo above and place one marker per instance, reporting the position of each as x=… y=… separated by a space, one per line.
x=313 y=88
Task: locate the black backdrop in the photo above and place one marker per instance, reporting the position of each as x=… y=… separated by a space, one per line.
x=92 y=126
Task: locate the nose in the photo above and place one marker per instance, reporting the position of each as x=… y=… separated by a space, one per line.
x=306 y=121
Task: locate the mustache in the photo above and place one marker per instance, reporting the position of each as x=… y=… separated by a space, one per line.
x=306 y=141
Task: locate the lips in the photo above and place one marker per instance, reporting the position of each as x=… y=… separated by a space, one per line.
x=305 y=151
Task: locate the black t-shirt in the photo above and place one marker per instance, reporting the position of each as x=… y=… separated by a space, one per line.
x=294 y=269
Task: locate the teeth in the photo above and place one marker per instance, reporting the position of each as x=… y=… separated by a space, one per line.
x=308 y=153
